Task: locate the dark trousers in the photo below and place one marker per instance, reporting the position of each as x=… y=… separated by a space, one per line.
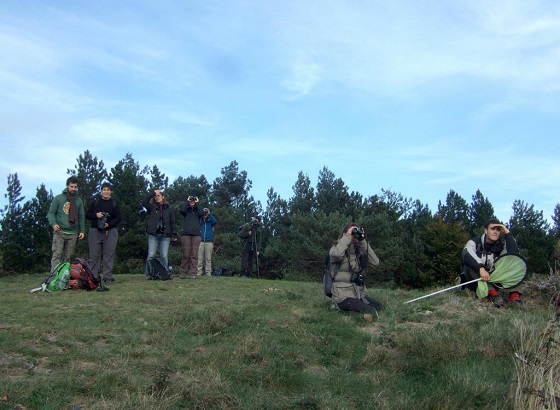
x=102 y=250
x=248 y=258
x=366 y=304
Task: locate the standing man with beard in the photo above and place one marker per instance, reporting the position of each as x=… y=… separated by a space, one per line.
x=67 y=217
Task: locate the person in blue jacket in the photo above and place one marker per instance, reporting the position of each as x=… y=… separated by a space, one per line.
x=207 y=223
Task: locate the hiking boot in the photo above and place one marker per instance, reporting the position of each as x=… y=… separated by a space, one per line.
x=497 y=300
x=517 y=303
x=376 y=304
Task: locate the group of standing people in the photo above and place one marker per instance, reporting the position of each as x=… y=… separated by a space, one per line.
x=197 y=234
x=67 y=217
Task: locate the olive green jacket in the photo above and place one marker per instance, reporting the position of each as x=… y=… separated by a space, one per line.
x=58 y=214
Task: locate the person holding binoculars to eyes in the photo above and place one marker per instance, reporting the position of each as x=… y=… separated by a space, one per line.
x=161 y=226
x=349 y=256
x=190 y=237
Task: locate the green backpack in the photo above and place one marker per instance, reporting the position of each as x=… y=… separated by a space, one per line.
x=57 y=280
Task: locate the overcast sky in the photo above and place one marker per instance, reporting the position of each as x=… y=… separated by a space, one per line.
x=419 y=97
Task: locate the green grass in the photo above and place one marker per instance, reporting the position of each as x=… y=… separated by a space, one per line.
x=228 y=343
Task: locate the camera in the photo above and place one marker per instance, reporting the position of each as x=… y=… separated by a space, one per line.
x=102 y=221
x=357 y=278
x=205 y=211
x=160 y=226
x=358 y=233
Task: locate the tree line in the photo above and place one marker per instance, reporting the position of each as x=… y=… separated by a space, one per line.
x=418 y=247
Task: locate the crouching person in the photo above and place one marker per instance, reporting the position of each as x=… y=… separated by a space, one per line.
x=349 y=256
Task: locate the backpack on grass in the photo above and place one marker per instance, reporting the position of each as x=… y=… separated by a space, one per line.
x=57 y=280
x=222 y=271
x=157 y=270
x=82 y=276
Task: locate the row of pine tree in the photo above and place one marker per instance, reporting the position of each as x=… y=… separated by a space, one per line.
x=418 y=247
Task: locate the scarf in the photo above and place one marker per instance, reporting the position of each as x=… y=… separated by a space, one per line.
x=72 y=210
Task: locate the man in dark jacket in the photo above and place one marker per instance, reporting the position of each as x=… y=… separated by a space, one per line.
x=105 y=215
x=250 y=236
x=161 y=227
x=67 y=217
x=190 y=237
x=479 y=255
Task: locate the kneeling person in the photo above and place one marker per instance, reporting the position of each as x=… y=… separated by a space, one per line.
x=349 y=256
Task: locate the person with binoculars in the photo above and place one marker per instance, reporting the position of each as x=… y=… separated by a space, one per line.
x=349 y=256
x=161 y=227
x=190 y=237
x=105 y=215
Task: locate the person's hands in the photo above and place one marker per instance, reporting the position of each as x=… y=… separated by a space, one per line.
x=484 y=275
x=81 y=235
x=504 y=230
x=56 y=228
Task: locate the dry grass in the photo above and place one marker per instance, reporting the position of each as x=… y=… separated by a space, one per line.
x=538 y=364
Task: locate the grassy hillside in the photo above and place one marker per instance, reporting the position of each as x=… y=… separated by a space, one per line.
x=228 y=343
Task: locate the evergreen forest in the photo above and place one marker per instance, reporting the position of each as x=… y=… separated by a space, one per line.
x=418 y=247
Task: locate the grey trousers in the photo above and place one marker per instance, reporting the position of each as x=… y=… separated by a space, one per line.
x=102 y=250
x=63 y=245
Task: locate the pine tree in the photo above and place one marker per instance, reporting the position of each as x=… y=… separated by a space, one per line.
x=37 y=228
x=480 y=211
x=531 y=231
x=303 y=200
x=14 y=241
x=91 y=173
x=455 y=210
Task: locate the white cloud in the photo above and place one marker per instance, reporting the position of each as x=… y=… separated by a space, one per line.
x=304 y=76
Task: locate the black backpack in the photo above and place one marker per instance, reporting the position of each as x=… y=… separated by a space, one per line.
x=157 y=270
x=222 y=271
